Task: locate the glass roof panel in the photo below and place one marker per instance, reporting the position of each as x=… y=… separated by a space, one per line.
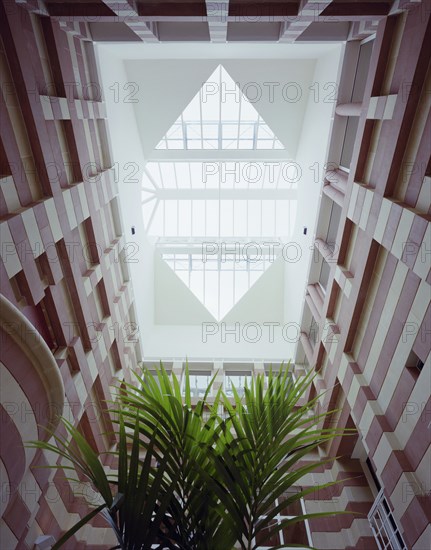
x=185 y=215
x=216 y=117
x=230 y=110
x=212 y=218
x=203 y=199
x=229 y=203
x=221 y=280
x=182 y=174
x=193 y=110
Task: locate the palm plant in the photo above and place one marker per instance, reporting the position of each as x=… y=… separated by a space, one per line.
x=267 y=434
x=193 y=481
x=183 y=439
x=130 y=499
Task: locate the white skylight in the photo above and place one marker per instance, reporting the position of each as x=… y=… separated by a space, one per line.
x=220 y=117
x=170 y=317
x=219 y=199
x=192 y=204
x=219 y=274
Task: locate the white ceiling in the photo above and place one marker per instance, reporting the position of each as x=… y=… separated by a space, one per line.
x=184 y=50
x=170 y=319
x=166 y=86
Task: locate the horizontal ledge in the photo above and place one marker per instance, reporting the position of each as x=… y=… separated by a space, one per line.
x=183 y=155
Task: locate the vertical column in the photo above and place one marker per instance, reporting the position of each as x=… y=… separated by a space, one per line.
x=217 y=14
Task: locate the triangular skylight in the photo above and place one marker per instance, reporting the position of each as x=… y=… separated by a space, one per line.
x=219 y=276
x=220 y=116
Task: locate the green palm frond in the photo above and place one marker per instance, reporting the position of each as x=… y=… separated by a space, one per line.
x=192 y=478
x=184 y=438
x=270 y=432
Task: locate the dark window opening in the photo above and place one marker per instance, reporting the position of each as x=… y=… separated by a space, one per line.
x=373 y=474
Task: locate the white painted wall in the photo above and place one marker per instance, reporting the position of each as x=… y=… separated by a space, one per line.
x=165 y=88
x=277 y=88
x=264 y=301
x=312 y=151
x=174 y=302
x=127 y=148
x=214 y=341
x=283 y=87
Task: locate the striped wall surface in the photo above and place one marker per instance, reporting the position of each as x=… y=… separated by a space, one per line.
x=61 y=264
x=378 y=295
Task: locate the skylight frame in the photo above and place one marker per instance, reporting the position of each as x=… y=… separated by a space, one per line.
x=184 y=142
x=245 y=198
x=188 y=205
x=223 y=141
x=185 y=263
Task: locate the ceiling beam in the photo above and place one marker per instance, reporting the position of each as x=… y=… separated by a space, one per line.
x=348 y=9
x=239 y=245
x=249 y=10
x=79 y=29
x=217 y=17
x=223 y=193
x=401 y=5
x=202 y=155
x=128 y=10
x=82 y=17
x=35 y=6
x=362 y=29
x=177 y=8
x=309 y=12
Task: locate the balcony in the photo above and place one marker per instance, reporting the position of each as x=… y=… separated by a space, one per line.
x=383 y=526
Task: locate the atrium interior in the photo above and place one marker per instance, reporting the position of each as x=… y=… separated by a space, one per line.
x=230 y=185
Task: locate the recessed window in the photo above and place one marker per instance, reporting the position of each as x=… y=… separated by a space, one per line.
x=373 y=474
x=334 y=222
x=414 y=363
x=324 y=274
x=199 y=382
x=237 y=379
x=356 y=97
x=313 y=333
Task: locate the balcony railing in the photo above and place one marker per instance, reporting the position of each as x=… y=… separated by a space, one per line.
x=383 y=525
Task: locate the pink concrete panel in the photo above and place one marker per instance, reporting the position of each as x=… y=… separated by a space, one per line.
x=16 y=515
x=416 y=518
x=422 y=343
